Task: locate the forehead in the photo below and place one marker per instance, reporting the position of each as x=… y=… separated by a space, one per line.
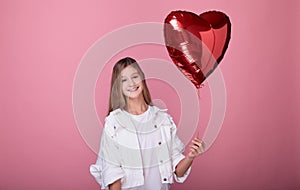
x=129 y=70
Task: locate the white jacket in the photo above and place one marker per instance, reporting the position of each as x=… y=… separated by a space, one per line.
x=120 y=148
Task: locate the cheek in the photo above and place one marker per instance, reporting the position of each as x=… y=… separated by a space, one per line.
x=123 y=86
x=138 y=81
x=142 y=86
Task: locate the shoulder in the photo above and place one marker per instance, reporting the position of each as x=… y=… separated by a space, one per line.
x=111 y=120
x=112 y=115
x=162 y=115
x=158 y=112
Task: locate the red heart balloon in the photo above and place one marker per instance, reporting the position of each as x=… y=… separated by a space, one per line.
x=197 y=44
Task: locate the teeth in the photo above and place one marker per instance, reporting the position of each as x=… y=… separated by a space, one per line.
x=133 y=89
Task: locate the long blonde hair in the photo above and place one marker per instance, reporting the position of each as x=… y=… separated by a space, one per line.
x=116 y=98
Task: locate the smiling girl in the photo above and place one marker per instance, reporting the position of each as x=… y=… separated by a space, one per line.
x=139 y=149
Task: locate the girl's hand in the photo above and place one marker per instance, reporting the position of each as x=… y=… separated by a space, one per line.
x=196 y=148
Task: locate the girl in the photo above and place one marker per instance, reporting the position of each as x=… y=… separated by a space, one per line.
x=139 y=148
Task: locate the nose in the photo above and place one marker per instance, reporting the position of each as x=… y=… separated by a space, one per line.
x=131 y=82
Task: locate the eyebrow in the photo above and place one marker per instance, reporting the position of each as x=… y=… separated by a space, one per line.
x=131 y=74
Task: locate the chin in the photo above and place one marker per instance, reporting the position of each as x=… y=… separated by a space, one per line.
x=134 y=95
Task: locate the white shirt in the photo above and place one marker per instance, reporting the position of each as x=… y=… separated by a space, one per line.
x=150 y=162
x=142 y=156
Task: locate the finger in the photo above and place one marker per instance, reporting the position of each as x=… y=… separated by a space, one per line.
x=197 y=143
x=195 y=147
x=200 y=143
x=196 y=139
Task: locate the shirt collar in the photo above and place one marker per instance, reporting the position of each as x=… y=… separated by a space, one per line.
x=125 y=121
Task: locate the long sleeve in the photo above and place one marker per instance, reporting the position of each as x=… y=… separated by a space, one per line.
x=177 y=151
x=107 y=168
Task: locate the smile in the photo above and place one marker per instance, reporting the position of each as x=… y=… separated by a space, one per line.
x=133 y=89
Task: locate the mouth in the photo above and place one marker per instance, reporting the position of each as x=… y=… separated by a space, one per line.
x=133 y=89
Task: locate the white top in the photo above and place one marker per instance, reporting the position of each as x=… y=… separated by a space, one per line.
x=150 y=162
x=141 y=150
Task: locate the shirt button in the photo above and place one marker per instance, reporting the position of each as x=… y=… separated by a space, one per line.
x=159 y=143
x=165 y=179
x=155 y=126
x=115 y=127
x=161 y=161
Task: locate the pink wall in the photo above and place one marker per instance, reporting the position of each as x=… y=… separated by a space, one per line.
x=42 y=43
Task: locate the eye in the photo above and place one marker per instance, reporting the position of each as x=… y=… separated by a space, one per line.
x=123 y=80
x=135 y=76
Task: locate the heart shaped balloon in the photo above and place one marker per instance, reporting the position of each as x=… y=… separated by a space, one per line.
x=197 y=44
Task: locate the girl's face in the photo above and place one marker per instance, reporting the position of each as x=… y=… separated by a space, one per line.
x=131 y=82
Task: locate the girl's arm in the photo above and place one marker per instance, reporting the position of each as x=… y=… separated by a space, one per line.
x=115 y=185
x=196 y=148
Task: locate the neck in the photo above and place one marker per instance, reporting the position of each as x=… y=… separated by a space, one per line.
x=136 y=106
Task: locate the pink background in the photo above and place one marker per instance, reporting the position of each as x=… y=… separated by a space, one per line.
x=42 y=43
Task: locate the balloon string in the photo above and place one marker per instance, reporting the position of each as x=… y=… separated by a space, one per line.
x=198 y=90
x=199 y=94
x=199 y=98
